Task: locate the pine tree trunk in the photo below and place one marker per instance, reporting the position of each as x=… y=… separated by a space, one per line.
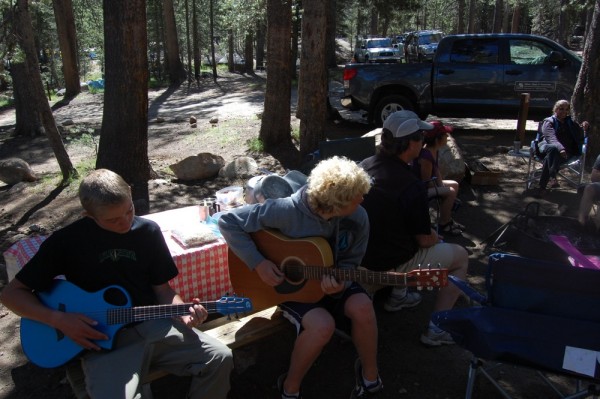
x=196 y=42
x=177 y=72
x=29 y=123
x=312 y=84
x=67 y=40
x=123 y=144
x=36 y=101
x=275 y=123
x=586 y=95
x=249 y=53
x=260 y=44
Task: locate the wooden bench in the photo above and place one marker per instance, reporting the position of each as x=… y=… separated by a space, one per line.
x=235 y=333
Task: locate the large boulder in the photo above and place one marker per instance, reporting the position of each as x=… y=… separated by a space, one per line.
x=240 y=168
x=15 y=170
x=201 y=166
x=451 y=161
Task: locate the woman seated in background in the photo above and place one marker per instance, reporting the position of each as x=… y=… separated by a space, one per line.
x=426 y=168
x=562 y=138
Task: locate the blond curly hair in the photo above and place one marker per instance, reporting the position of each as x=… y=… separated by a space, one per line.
x=334 y=183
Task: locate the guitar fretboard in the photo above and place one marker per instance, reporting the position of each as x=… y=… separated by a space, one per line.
x=414 y=278
x=143 y=313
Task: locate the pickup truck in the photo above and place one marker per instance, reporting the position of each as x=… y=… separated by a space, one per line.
x=475 y=75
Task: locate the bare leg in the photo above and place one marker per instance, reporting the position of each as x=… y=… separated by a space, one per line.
x=458 y=267
x=447 y=195
x=318 y=327
x=359 y=309
x=585 y=206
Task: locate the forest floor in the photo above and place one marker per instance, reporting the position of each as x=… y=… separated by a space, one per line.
x=408 y=369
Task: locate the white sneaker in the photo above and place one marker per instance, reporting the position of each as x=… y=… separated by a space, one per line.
x=432 y=338
x=410 y=300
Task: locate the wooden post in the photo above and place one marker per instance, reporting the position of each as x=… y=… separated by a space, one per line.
x=522 y=122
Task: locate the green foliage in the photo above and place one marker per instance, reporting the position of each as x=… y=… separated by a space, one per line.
x=295 y=133
x=256 y=145
x=6 y=101
x=82 y=136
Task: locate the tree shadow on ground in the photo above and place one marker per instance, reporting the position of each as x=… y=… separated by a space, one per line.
x=46 y=201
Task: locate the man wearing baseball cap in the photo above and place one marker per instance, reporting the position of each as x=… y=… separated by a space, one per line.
x=397 y=118
x=401 y=238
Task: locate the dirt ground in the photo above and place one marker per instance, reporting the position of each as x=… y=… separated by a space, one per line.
x=408 y=369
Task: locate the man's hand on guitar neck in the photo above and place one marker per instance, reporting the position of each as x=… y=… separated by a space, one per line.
x=198 y=315
x=269 y=273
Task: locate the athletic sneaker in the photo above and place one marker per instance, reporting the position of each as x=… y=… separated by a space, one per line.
x=410 y=300
x=360 y=390
x=433 y=338
x=284 y=395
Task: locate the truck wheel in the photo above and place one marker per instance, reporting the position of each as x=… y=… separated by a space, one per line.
x=390 y=104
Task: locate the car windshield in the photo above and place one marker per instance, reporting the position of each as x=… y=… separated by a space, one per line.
x=430 y=38
x=379 y=43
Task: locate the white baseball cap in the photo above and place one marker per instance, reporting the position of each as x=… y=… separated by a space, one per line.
x=394 y=121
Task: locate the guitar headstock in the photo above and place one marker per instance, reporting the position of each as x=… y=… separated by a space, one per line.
x=233 y=304
x=427 y=278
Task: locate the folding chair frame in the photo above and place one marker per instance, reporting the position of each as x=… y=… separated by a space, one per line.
x=478 y=366
x=516 y=322
x=572 y=170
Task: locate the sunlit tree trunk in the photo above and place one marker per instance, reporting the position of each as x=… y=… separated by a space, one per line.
x=312 y=84
x=196 y=41
x=212 y=39
x=124 y=137
x=188 y=40
x=275 y=124
x=36 y=102
x=67 y=40
x=177 y=72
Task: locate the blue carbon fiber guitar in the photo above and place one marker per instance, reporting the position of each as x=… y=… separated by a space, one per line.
x=111 y=308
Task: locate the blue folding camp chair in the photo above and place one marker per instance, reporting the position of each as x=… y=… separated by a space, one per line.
x=536 y=314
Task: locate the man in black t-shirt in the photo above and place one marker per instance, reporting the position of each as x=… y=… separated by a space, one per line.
x=401 y=237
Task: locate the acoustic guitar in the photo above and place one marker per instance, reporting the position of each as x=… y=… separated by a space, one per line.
x=111 y=308
x=304 y=261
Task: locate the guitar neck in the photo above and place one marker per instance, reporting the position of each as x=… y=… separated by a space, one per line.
x=359 y=275
x=154 y=312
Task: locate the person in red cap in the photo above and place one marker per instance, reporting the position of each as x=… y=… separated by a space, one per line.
x=427 y=169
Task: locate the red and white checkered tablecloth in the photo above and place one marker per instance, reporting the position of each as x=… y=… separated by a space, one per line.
x=20 y=252
x=203 y=270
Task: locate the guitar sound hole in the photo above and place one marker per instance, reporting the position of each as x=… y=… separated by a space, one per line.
x=115 y=296
x=293 y=271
